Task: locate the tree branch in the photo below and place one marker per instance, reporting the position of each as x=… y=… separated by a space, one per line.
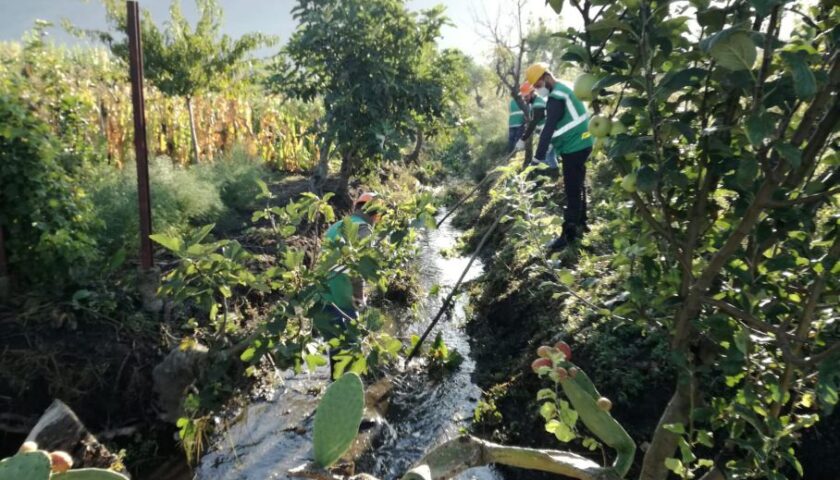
x=768 y=57
x=821 y=100
x=804 y=199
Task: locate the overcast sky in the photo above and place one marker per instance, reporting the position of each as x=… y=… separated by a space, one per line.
x=267 y=16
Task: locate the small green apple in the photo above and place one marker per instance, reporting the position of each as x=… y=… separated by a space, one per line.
x=583 y=86
x=628 y=183
x=617 y=128
x=600 y=126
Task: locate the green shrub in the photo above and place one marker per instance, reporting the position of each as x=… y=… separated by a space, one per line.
x=44 y=214
x=236 y=177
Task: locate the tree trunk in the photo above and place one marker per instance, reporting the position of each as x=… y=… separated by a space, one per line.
x=479 y=100
x=322 y=170
x=664 y=442
x=344 y=176
x=103 y=127
x=529 y=150
x=414 y=156
x=193 y=133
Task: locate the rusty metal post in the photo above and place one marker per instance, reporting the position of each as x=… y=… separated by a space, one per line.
x=140 y=149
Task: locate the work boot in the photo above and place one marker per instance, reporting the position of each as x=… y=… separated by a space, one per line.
x=569 y=235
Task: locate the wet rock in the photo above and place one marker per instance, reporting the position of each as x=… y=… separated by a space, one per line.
x=177 y=372
x=148 y=282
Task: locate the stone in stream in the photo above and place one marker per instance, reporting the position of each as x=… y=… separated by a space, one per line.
x=178 y=370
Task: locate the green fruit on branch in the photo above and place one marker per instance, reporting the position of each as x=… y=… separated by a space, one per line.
x=27 y=447
x=565 y=349
x=337 y=419
x=600 y=126
x=604 y=404
x=583 y=86
x=600 y=144
x=540 y=363
x=544 y=351
x=617 y=128
x=628 y=183
x=61 y=461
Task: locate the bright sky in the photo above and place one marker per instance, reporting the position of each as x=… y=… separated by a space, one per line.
x=267 y=16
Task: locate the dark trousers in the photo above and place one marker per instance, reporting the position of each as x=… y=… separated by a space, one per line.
x=514 y=134
x=574 y=178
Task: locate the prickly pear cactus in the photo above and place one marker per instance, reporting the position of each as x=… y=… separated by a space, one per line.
x=89 y=474
x=593 y=409
x=337 y=418
x=26 y=466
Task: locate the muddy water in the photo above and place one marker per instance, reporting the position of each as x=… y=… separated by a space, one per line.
x=273 y=436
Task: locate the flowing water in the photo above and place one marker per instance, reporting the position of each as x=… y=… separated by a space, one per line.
x=270 y=437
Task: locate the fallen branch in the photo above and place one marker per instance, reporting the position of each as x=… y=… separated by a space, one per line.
x=453 y=457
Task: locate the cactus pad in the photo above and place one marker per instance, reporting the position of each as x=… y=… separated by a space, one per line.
x=337 y=418
x=26 y=466
x=89 y=474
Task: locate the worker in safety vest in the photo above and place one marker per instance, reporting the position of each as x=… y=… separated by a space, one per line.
x=516 y=124
x=537 y=102
x=344 y=297
x=566 y=122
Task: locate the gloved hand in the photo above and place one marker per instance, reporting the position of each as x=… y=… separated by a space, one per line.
x=520 y=145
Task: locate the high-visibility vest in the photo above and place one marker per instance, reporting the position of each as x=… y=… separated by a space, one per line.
x=340 y=285
x=517 y=116
x=569 y=133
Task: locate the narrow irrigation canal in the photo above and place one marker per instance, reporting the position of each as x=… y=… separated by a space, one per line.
x=271 y=437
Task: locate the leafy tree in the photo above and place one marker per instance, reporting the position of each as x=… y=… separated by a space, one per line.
x=44 y=217
x=181 y=60
x=730 y=164
x=375 y=67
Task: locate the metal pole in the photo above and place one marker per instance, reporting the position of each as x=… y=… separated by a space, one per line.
x=140 y=149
